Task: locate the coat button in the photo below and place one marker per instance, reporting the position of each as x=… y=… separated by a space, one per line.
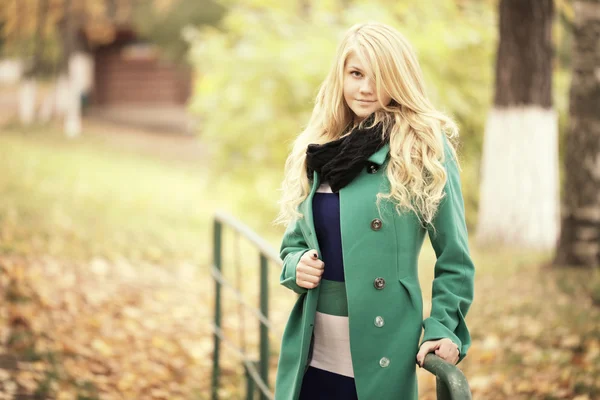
x=379 y=321
x=372 y=169
x=379 y=283
x=384 y=362
x=376 y=224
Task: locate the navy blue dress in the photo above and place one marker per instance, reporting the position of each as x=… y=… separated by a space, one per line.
x=321 y=384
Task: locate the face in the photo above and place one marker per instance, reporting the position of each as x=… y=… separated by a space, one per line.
x=359 y=90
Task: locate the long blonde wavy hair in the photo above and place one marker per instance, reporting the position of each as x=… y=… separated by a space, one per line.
x=415 y=171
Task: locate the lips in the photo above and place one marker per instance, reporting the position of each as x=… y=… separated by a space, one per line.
x=365 y=103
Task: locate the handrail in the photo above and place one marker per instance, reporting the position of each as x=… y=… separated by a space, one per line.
x=267 y=253
x=450 y=381
x=218 y=276
x=261 y=244
x=250 y=368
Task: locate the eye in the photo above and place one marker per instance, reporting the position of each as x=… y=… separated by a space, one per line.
x=355 y=74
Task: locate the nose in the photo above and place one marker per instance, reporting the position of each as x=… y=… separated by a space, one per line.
x=366 y=86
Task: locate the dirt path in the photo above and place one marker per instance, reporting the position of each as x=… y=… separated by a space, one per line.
x=166 y=145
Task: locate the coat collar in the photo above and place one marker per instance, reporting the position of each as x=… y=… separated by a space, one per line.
x=380 y=155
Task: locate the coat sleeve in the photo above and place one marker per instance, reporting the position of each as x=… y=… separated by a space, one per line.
x=293 y=246
x=453 y=287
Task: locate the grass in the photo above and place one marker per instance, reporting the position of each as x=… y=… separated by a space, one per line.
x=75 y=200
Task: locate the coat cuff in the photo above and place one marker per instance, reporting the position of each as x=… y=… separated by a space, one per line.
x=288 y=272
x=435 y=330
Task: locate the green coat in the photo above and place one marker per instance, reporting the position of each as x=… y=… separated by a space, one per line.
x=388 y=248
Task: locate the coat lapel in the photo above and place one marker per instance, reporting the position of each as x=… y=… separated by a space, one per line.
x=308 y=211
x=378 y=158
x=380 y=155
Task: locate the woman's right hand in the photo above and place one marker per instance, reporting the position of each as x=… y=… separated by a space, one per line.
x=309 y=270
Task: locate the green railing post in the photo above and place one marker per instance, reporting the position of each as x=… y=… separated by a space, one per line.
x=441 y=389
x=450 y=381
x=264 y=330
x=217 y=264
x=250 y=388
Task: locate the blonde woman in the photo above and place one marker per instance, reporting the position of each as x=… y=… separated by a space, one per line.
x=371 y=174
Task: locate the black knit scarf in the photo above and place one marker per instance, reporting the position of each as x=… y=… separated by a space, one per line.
x=340 y=161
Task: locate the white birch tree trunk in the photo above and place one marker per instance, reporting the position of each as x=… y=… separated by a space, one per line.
x=27 y=100
x=519 y=196
x=62 y=94
x=72 y=121
x=519 y=193
x=47 y=107
x=78 y=80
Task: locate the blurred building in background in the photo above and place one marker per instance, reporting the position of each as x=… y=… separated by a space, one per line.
x=122 y=61
x=132 y=83
x=129 y=71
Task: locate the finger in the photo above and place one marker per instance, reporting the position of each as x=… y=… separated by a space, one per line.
x=451 y=349
x=449 y=346
x=309 y=255
x=449 y=358
x=443 y=349
x=448 y=353
x=315 y=263
x=307 y=281
x=313 y=259
x=426 y=347
x=456 y=356
x=441 y=354
x=308 y=270
x=308 y=277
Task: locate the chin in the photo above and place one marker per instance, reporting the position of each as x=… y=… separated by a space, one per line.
x=362 y=113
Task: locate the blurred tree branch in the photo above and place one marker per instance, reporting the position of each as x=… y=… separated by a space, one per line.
x=161 y=22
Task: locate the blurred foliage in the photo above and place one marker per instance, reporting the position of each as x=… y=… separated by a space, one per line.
x=40 y=31
x=35 y=30
x=162 y=24
x=259 y=72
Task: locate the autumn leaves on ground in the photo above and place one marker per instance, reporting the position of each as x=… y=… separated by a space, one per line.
x=105 y=249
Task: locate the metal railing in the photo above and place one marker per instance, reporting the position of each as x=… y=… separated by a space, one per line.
x=257 y=372
x=450 y=381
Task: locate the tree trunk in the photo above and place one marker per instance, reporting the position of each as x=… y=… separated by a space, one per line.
x=579 y=243
x=61 y=93
x=47 y=107
x=519 y=202
x=27 y=100
x=28 y=86
x=72 y=102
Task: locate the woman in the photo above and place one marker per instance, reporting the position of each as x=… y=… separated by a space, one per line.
x=369 y=176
